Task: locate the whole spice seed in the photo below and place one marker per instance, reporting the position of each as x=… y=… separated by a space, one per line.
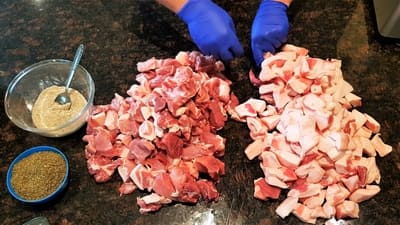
x=38 y=175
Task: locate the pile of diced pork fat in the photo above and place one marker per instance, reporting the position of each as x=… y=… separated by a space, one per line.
x=309 y=138
x=162 y=137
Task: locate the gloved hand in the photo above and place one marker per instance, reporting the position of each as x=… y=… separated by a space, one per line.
x=270 y=29
x=212 y=29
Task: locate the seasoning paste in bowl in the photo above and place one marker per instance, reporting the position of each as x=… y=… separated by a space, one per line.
x=38 y=175
x=47 y=113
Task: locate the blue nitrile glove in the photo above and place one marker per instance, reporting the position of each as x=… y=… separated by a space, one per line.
x=270 y=28
x=212 y=29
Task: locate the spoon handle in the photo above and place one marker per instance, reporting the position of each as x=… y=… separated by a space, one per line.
x=75 y=63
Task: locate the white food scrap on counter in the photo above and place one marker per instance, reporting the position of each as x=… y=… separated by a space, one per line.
x=309 y=138
x=162 y=137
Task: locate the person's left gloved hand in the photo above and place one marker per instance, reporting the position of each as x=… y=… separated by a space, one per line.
x=270 y=29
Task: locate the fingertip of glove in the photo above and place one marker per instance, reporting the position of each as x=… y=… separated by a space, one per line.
x=258 y=57
x=226 y=56
x=237 y=51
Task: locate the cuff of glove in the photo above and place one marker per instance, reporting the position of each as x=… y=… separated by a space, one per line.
x=274 y=4
x=192 y=8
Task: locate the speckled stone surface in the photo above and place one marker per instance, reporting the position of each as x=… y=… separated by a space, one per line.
x=118 y=34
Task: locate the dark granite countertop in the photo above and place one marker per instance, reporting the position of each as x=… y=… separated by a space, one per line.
x=118 y=34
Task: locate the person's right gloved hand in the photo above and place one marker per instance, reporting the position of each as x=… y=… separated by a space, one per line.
x=212 y=29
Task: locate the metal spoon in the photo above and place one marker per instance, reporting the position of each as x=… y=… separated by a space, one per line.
x=63 y=98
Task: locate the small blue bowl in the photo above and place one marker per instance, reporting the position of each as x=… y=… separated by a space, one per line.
x=53 y=196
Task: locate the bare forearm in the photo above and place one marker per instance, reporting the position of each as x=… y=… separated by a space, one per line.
x=173 y=5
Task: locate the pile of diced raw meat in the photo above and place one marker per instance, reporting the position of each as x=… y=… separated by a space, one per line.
x=309 y=138
x=162 y=138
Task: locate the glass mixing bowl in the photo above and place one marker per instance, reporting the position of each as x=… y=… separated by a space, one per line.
x=26 y=86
